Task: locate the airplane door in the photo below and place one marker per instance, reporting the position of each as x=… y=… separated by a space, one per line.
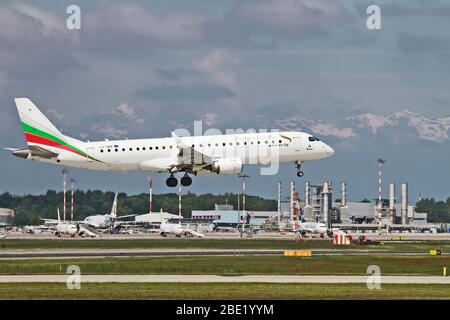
x=297 y=144
x=91 y=154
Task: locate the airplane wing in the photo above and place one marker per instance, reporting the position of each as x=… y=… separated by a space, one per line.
x=188 y=155
x=195 y=233
x=127 y=216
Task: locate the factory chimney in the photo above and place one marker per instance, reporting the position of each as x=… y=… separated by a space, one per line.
x=392 y=213
x=292 y=201
x=404 y=202
x=326 y=194
x=279 y=204
x=344 y=194
x=307 y=194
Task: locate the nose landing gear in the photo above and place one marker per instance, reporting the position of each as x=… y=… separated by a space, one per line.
x=300 y=173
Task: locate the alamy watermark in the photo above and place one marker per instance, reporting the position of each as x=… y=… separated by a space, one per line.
x=74 y=280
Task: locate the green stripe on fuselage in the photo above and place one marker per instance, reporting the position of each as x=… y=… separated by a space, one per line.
x=31 y=130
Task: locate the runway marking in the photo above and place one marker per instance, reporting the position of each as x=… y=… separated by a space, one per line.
x=224 y=279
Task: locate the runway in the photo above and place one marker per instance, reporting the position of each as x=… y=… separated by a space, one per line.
x=106 y=253
x=224 y=279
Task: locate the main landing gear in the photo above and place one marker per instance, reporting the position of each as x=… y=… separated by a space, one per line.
x=173 y=182
x=300 y=173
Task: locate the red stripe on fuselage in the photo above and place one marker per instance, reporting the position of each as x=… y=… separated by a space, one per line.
x=36 y=139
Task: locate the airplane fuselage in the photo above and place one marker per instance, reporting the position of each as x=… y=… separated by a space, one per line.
x=157 y=154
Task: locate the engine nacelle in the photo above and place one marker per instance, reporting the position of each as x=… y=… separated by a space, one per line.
x=227 y=166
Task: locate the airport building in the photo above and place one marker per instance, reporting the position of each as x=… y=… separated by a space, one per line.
x=6 y=216
x=226 y=216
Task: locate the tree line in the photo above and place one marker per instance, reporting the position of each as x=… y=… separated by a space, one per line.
x=29 y=209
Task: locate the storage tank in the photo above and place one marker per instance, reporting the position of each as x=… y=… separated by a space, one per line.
x=392 y=202
x=404 y=203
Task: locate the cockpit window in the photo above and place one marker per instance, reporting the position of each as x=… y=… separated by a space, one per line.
x=313 y=139
x=317 y=139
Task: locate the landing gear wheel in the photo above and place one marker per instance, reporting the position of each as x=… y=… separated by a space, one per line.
x=171 y=181
x=186 y=181
x=299 y=169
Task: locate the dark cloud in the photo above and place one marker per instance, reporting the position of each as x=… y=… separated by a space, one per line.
x=194 y=91
x=412 y=43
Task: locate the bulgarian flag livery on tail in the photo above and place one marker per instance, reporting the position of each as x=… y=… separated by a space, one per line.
x=41 y=133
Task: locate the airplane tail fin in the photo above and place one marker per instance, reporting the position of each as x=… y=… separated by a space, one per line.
x=59 y=217
x=39 y=130
x=114 y=207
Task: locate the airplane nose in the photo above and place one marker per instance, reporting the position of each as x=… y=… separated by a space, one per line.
x=330 y=151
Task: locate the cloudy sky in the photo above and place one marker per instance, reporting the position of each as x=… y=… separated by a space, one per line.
x=143 y=68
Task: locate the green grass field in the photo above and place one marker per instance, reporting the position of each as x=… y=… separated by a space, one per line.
x=236 y=265
x=225 y=291
x=205 y=243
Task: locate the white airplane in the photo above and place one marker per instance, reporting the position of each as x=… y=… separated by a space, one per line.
x=72 y=229
x=198 y=155
x=104 y=221
x=176 y=229
x=313 y=228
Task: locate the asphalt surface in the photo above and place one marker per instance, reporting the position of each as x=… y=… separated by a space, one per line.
x=103 y=253
x=226 y=279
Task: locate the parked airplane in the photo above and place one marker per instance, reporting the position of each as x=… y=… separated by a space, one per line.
x=314 y=228
x=104 y=221
x=72 y=229
x=198 y=155
x=176 y=229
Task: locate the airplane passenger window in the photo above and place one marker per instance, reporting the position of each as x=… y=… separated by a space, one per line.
x=224 y=144
x=279 y=141
x=101 y=150
x=116 y=150
x=123 y=149
x=156 y=148
x=109 y=150
x=164 y=147
x=137 y=149
x=143 y=148
x=209 y=144
x=131 y=149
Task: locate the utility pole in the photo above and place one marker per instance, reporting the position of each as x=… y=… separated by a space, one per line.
x=244 y=216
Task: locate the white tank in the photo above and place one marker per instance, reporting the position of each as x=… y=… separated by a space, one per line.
x=404 y=203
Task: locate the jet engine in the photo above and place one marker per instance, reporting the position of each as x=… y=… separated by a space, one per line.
x=227 y=166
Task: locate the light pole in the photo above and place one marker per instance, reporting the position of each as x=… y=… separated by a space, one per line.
x=64 y=172
x=72 y=193
x=243 y=176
